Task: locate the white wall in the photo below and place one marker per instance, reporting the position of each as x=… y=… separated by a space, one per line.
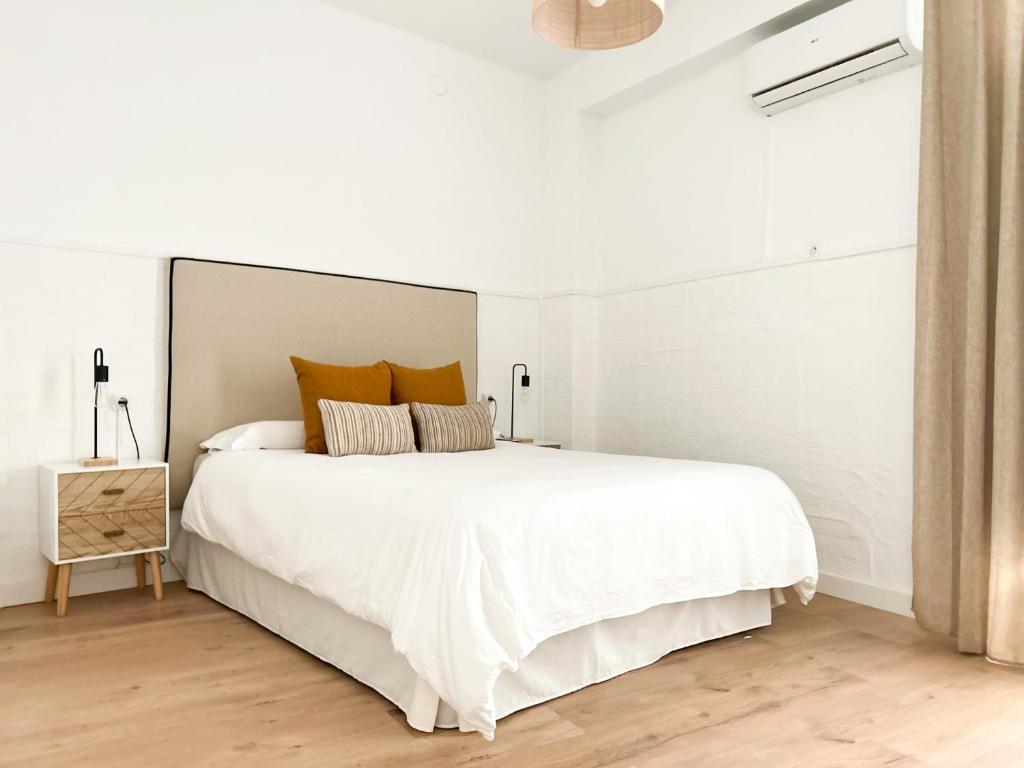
x=509 y=333
x=262 y=130
x=719 y=337
x=569 y=346
x=271 y=131
x=55 y=307
x=681 y=182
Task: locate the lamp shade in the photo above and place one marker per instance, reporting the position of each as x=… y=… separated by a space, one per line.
x=597 y=24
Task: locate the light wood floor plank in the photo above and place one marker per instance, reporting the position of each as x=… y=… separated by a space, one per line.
x=124 y=679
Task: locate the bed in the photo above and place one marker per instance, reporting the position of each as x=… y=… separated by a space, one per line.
x=462 y=587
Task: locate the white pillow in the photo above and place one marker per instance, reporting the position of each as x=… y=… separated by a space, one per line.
x=271 y=435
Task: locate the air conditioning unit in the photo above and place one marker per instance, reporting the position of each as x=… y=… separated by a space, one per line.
x=858 y=41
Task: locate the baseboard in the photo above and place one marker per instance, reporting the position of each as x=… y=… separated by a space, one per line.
x=114 y=578
x=884 y=599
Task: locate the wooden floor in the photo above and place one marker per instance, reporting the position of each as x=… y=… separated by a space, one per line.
x=124 y=680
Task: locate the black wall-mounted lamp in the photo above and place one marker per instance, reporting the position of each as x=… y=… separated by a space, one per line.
x=525 y=382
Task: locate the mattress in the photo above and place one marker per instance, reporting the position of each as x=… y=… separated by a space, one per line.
x=558 y=666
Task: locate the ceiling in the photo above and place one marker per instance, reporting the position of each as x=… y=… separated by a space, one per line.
x=496 y=30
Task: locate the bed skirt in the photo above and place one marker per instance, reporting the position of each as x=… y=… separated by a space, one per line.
x=559 y=665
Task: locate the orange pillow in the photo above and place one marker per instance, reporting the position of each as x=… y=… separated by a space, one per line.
x=439 y=386
x=355 y=384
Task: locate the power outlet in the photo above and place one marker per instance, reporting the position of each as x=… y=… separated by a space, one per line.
x=486 y=396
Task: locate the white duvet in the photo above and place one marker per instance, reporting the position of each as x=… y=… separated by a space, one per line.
x=472 y=559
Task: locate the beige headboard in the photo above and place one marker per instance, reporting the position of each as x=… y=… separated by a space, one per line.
x=233 y=327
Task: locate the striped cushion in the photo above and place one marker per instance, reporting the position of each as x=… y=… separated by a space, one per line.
x=375 y=430
x=453 y=428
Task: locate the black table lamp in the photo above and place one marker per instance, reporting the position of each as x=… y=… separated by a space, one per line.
x=525 y=381
x=100 y=377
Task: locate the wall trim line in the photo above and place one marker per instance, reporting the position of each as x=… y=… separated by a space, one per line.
x=26 y=241
x=883 y=598
x=762 y=265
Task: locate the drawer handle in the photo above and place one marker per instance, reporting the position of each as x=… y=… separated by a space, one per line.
x=113 y=534
x=113 y=491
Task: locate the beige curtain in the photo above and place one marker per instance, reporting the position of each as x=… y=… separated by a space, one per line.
x=969 y=367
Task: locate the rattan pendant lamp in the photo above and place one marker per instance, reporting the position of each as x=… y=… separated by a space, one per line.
x=597 y=24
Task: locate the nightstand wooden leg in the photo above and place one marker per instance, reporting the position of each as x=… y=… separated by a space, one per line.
x=51 y=583
x=140 y=571
x=158 y=582
x=63 y=588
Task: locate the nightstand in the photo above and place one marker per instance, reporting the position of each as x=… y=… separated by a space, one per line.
x=92 y=513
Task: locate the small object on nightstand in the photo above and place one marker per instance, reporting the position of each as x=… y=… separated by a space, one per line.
x=101 y=512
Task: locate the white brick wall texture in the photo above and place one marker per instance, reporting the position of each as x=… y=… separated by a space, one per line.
x=804 y=370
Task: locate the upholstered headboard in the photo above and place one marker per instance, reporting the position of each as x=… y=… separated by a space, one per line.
x=234 y=326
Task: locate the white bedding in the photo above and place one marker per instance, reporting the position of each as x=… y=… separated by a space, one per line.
x=470 y=560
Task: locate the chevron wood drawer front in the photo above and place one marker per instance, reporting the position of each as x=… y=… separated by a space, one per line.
x=112 y=512
x=87 y=493
x=108 y=533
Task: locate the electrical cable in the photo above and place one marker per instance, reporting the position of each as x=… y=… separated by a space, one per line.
x=124 y=401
